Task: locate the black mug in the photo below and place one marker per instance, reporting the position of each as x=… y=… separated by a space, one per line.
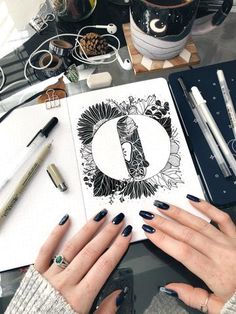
x=160 y=28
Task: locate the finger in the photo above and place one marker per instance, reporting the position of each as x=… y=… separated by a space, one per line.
x=182 y=233
x=48 y=249
x=223 y=220
x=85 y=259
x=184 y=253
x=196 y=297
x=98 y=274
x=112 y=302
x=80 y=239
x=189 y=220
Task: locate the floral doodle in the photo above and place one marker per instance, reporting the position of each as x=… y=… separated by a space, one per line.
x=136 y=186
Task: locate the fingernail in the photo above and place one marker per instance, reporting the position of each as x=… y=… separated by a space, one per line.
x=148 y=229
x=64 y=220
x=100 y=215
x=193 y=198
x=169 y=292
x=127 y=231
x=161 y=205
x=118 y=219
x=146 y=215
x=121 y=296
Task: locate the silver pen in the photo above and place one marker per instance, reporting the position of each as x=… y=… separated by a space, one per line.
x=206 y=132
x=207 y=116
x=228 y=100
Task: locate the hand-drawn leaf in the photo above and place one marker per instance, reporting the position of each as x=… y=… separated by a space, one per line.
x=137 y=189
x=104 y=185
x=174 y=147
x=174 y=160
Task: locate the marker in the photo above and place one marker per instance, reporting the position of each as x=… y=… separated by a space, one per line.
x=27 y=152
x=228 y=100
x=205 y=113
x=24 y=181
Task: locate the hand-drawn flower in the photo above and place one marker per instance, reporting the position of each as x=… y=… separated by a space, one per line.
x=87 y=124
x=105 y=186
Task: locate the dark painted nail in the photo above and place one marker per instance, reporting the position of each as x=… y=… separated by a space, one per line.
x=161 y=205
x=127 y=231
x=100 y=215
x=121 y=297
x=118 y=219
x=148 y=229
x=193 y=198
x=64 y=220
x=169 y=292
x=146 y=215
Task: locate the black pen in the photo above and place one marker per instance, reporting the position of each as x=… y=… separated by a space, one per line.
x=26 y=153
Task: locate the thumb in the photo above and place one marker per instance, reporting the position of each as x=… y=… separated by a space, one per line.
x=196 y=298
x=112 y=302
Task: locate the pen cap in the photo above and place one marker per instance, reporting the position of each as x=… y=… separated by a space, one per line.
x=56 y=177
x=49 y=126
x=197 y=95
x=220 y=75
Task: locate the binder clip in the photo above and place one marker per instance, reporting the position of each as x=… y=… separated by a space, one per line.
x=53 y=101
x=40 y=21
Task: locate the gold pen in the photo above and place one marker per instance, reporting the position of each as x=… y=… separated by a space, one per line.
x=56 y=177
x=22 y=184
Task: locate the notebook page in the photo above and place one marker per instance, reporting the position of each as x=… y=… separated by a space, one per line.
x=42 y=205
x=131 y=151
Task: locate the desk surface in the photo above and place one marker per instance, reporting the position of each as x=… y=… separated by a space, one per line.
x=144 y=265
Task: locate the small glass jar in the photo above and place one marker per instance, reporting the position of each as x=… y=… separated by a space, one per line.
x=74 y=10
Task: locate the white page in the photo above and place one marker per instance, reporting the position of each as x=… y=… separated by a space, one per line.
x=41 y=205
x=104 y=150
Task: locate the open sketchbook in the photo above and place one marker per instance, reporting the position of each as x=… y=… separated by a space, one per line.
x=118 y=148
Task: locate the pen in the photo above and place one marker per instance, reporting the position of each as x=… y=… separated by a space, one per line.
x=228 y=100
x=206 y=115
x=206 y=132
x=33 y=145
x=22 y=184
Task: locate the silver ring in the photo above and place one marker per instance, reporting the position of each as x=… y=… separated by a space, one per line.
x=204 y=307
x=60 y=261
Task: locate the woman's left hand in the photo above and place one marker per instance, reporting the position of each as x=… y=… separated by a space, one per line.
x=89 y=258
x=207 y=251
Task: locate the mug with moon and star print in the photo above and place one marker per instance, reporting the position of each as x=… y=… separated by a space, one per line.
x=160 y=28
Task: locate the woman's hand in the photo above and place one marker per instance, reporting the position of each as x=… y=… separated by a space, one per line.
x=208 y=252
x=91 y=258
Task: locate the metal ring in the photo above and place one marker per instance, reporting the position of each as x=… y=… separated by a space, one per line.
x=204 y=307
x=60 y=261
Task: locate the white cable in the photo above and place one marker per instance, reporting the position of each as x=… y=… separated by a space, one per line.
x=85 y=59
x=75 y=54
x=45 y=66
x=13 y=84
x=37 y=51
x=3 y=78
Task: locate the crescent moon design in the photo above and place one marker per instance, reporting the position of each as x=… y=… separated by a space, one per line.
x=156 y=29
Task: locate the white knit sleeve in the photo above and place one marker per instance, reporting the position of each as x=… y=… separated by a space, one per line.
x=230 y=306
x=36 y=295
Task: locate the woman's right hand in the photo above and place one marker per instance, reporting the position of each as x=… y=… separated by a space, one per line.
x=207 y=251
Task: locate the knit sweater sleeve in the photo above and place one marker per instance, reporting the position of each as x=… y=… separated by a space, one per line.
x=230 y=306
x=36 y=295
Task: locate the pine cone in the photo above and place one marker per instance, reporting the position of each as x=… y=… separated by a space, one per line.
x=93 y=44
